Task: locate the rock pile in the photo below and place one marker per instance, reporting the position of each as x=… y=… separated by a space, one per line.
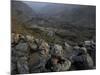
x=32 y=55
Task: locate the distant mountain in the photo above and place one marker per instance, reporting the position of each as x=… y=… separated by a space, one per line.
x=21 y=11
x=68 y=22
x=52 y=13
x=76 y=14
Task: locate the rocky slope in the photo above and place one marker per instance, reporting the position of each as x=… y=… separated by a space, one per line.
x=76 y=24
x=34 y=55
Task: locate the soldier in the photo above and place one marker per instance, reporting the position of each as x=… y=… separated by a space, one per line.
x=82 y=60
x=39 y=58
x=57 y=62
x=22 y=65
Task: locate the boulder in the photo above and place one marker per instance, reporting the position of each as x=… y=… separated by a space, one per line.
x=22 y=47
x=17 y=37
x=51 y=33
x=13 y=68
x=33 y=46
x=89 y=61
x=21 y=54
x=12 y=38
x=22 y=67
x=88 y=43
x=29 y=38
x=67 y=45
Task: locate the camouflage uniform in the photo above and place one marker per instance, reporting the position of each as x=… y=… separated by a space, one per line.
x=82 y=60
x=57 y=62
x=39 y=56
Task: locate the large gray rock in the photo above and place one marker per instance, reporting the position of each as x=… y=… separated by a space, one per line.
x=67 y=45
x=12 y=38
x=22 y=65
x=33 y=46
x=14 y=59
x=88 y=43
x=22 y=47
x=89 y=61
x=13 y=66
x=22 y=50
x=29 y=38
x=51 y=33
x=16 y=37
x=21 y=54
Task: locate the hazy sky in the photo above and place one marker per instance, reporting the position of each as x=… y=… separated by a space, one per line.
x=36 y=5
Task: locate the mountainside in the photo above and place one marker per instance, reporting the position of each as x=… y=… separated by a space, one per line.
x=64 y=21
x=76 y=14
x=21 y=13
x=65 y=12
